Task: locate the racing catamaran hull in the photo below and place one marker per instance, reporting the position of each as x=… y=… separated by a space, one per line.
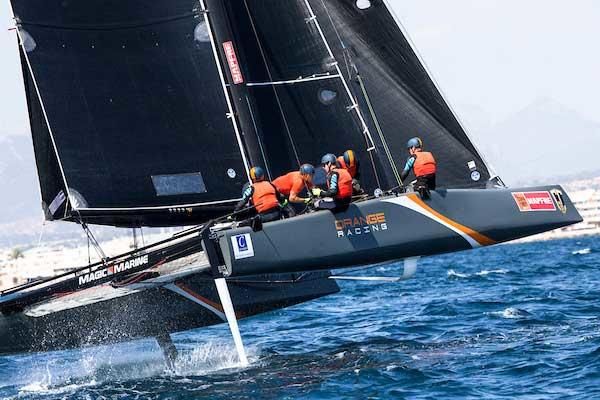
x=396 y=227
x=106 y=315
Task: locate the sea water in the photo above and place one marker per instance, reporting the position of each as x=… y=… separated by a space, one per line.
x=517 y=321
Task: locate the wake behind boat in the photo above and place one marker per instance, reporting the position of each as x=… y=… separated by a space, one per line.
x=151 y=114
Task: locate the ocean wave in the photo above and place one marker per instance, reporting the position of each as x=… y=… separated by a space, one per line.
x=453 y=274
x=582 y=252
x=93 y=368
x=511 y=313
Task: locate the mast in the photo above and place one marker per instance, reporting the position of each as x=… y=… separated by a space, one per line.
x=231 y=114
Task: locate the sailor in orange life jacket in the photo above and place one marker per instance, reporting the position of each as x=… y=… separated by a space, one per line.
x=349 y=162
x=292 y=184
x=263 y=196
x=422 y=163
x=339 y=184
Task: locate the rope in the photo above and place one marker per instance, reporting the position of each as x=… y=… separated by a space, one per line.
x=348 y=62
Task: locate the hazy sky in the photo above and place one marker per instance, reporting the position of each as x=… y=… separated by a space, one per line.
x=491 y=57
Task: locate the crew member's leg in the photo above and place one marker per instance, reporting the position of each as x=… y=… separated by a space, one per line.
x=271 y=215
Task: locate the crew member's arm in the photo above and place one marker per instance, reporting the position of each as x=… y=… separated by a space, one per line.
x=408 y=167
x=246 y=196
x=333 y=186
x=297 y=188
x=280 y=198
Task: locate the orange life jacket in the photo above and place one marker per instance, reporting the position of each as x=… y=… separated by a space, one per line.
x=264 y=197
x=350 y=168
x=424 y=164
x=344 y=184
x=291 y=182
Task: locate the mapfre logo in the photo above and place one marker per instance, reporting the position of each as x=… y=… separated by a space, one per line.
x=534 y=201
x=356 y=226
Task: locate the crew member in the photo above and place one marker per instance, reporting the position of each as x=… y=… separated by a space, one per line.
x=293 y=183
x=339 y=184
x=349 y=162
x=423 y=164
x=263 y=196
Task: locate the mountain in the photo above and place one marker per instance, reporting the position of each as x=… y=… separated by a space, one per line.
x=20 y=196
x=545 y=140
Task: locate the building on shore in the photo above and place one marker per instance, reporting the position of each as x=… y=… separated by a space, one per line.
x=587 y=202
x=19 y=266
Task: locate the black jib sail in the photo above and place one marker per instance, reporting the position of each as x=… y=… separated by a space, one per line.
x=128 y=111
x=327 y=75
x=396 y=91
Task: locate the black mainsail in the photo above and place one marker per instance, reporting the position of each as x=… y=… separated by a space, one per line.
x=128 y=112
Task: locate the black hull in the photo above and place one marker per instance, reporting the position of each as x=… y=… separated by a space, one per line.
x=396 y=227
x=155 y=312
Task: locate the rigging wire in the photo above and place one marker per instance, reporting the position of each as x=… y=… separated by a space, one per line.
x=258 y=138
x=378 y=127
x=264 y=57
x=92 y=240
x=365 y=130
x=351 y=65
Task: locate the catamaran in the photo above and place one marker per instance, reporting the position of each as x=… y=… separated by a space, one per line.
x=150 y=113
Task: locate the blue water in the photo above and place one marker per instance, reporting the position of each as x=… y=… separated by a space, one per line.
x=519 y=321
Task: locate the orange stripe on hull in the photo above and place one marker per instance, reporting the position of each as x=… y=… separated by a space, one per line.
x=198 y=297
x=480 y=238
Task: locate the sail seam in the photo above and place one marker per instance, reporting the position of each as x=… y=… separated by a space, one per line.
x=110 y=27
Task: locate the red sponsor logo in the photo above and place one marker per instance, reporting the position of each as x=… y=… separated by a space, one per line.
x=234 y=66
x=534 y=201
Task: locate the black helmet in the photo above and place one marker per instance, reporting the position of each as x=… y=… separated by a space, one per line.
x=307 y=169
x=257 y=174
x=328 y=159
x=414 y=142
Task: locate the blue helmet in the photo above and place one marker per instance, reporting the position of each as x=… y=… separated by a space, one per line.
x=307 y=169
x=414 y=142
x=257 y=174
x=328 y=159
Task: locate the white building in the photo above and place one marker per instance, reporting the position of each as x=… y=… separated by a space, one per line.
x=587 y=203
x=53 y=259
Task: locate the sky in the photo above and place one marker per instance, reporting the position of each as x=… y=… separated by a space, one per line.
x=491 y=58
